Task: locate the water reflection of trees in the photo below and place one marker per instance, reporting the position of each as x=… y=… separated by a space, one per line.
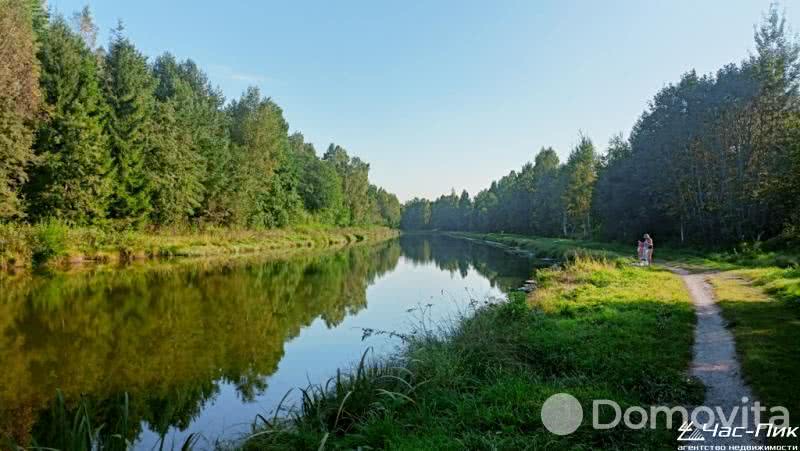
x=503 y=269
x=167 y=333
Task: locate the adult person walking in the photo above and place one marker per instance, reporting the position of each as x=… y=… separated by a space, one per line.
x=648 y=248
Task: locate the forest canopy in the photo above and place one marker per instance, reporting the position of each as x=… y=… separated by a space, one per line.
x=99 y=136
x=714 y=159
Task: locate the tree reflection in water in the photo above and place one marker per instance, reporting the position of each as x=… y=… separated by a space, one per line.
x=167 y=334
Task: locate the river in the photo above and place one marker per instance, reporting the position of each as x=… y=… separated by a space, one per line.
x=203 y=346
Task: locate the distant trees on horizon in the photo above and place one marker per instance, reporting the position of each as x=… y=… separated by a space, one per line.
x=714 y=159
x=94 y=135
x=103 y=136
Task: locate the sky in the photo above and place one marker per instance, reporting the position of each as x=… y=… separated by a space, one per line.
x=446 y=94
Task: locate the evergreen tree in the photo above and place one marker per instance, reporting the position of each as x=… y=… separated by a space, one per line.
x=174 y=166
x=71 y=181
x=176 y=160
x=38 y=15
x=210 y=134
x=129 y=89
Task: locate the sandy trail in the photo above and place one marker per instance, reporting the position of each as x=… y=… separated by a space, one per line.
x=715 y=363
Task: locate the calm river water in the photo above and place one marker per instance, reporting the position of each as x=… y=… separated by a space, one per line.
x=204 y=346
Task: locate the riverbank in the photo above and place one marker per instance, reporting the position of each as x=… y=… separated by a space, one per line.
x=596 y=328
x=56 y=245
x=481 y=383
x=736 y=257
x=758 y=292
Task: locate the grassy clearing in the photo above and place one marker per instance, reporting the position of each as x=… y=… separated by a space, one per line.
x=745 y=255
x=480 y=383
x=762 y=307
x=56 y=244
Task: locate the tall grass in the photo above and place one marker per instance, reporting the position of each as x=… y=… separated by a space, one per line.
x=72 y=428
x=85 y=425
x=335 y=408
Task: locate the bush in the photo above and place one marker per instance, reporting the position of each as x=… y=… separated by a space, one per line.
x=49 y=240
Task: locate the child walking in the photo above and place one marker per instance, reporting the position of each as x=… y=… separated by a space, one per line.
x=642 y=253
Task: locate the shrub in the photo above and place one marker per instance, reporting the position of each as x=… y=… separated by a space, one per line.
x=49 y=240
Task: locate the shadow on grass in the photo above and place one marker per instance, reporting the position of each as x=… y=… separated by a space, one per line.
x=767 y=333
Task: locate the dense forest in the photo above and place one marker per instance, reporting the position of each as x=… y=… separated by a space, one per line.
x=101 y=136
x=714 y=159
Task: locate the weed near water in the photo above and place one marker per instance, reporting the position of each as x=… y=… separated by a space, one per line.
x=87 y=424
x=338 y=406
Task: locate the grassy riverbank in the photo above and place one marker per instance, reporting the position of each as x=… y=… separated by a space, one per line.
x=480 y=384
x=746 y=255
x=757 y=289
x=598 y=328
x=55 y=244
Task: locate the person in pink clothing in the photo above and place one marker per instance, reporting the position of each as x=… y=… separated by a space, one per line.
x=640 y=252
x=648 y=248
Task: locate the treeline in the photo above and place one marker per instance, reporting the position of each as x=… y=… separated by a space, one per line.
x=102 y=136
x=714 y=159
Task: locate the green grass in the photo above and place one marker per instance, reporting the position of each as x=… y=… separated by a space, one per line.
x=597 y=329
x=762 y=307
x=55 y=244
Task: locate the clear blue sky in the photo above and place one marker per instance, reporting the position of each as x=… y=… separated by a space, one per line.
x=445 y=94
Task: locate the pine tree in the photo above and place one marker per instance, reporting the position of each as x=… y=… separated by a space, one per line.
x=174 y=166
x=200 y=117
x=72 y=179
x=177 y=160
x=38 y=15
x=129 y=90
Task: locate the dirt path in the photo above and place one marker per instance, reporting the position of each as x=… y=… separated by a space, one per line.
x=715 y=362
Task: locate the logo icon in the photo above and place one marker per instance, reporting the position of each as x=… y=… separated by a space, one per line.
x=562 y=414
x=690 y=434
